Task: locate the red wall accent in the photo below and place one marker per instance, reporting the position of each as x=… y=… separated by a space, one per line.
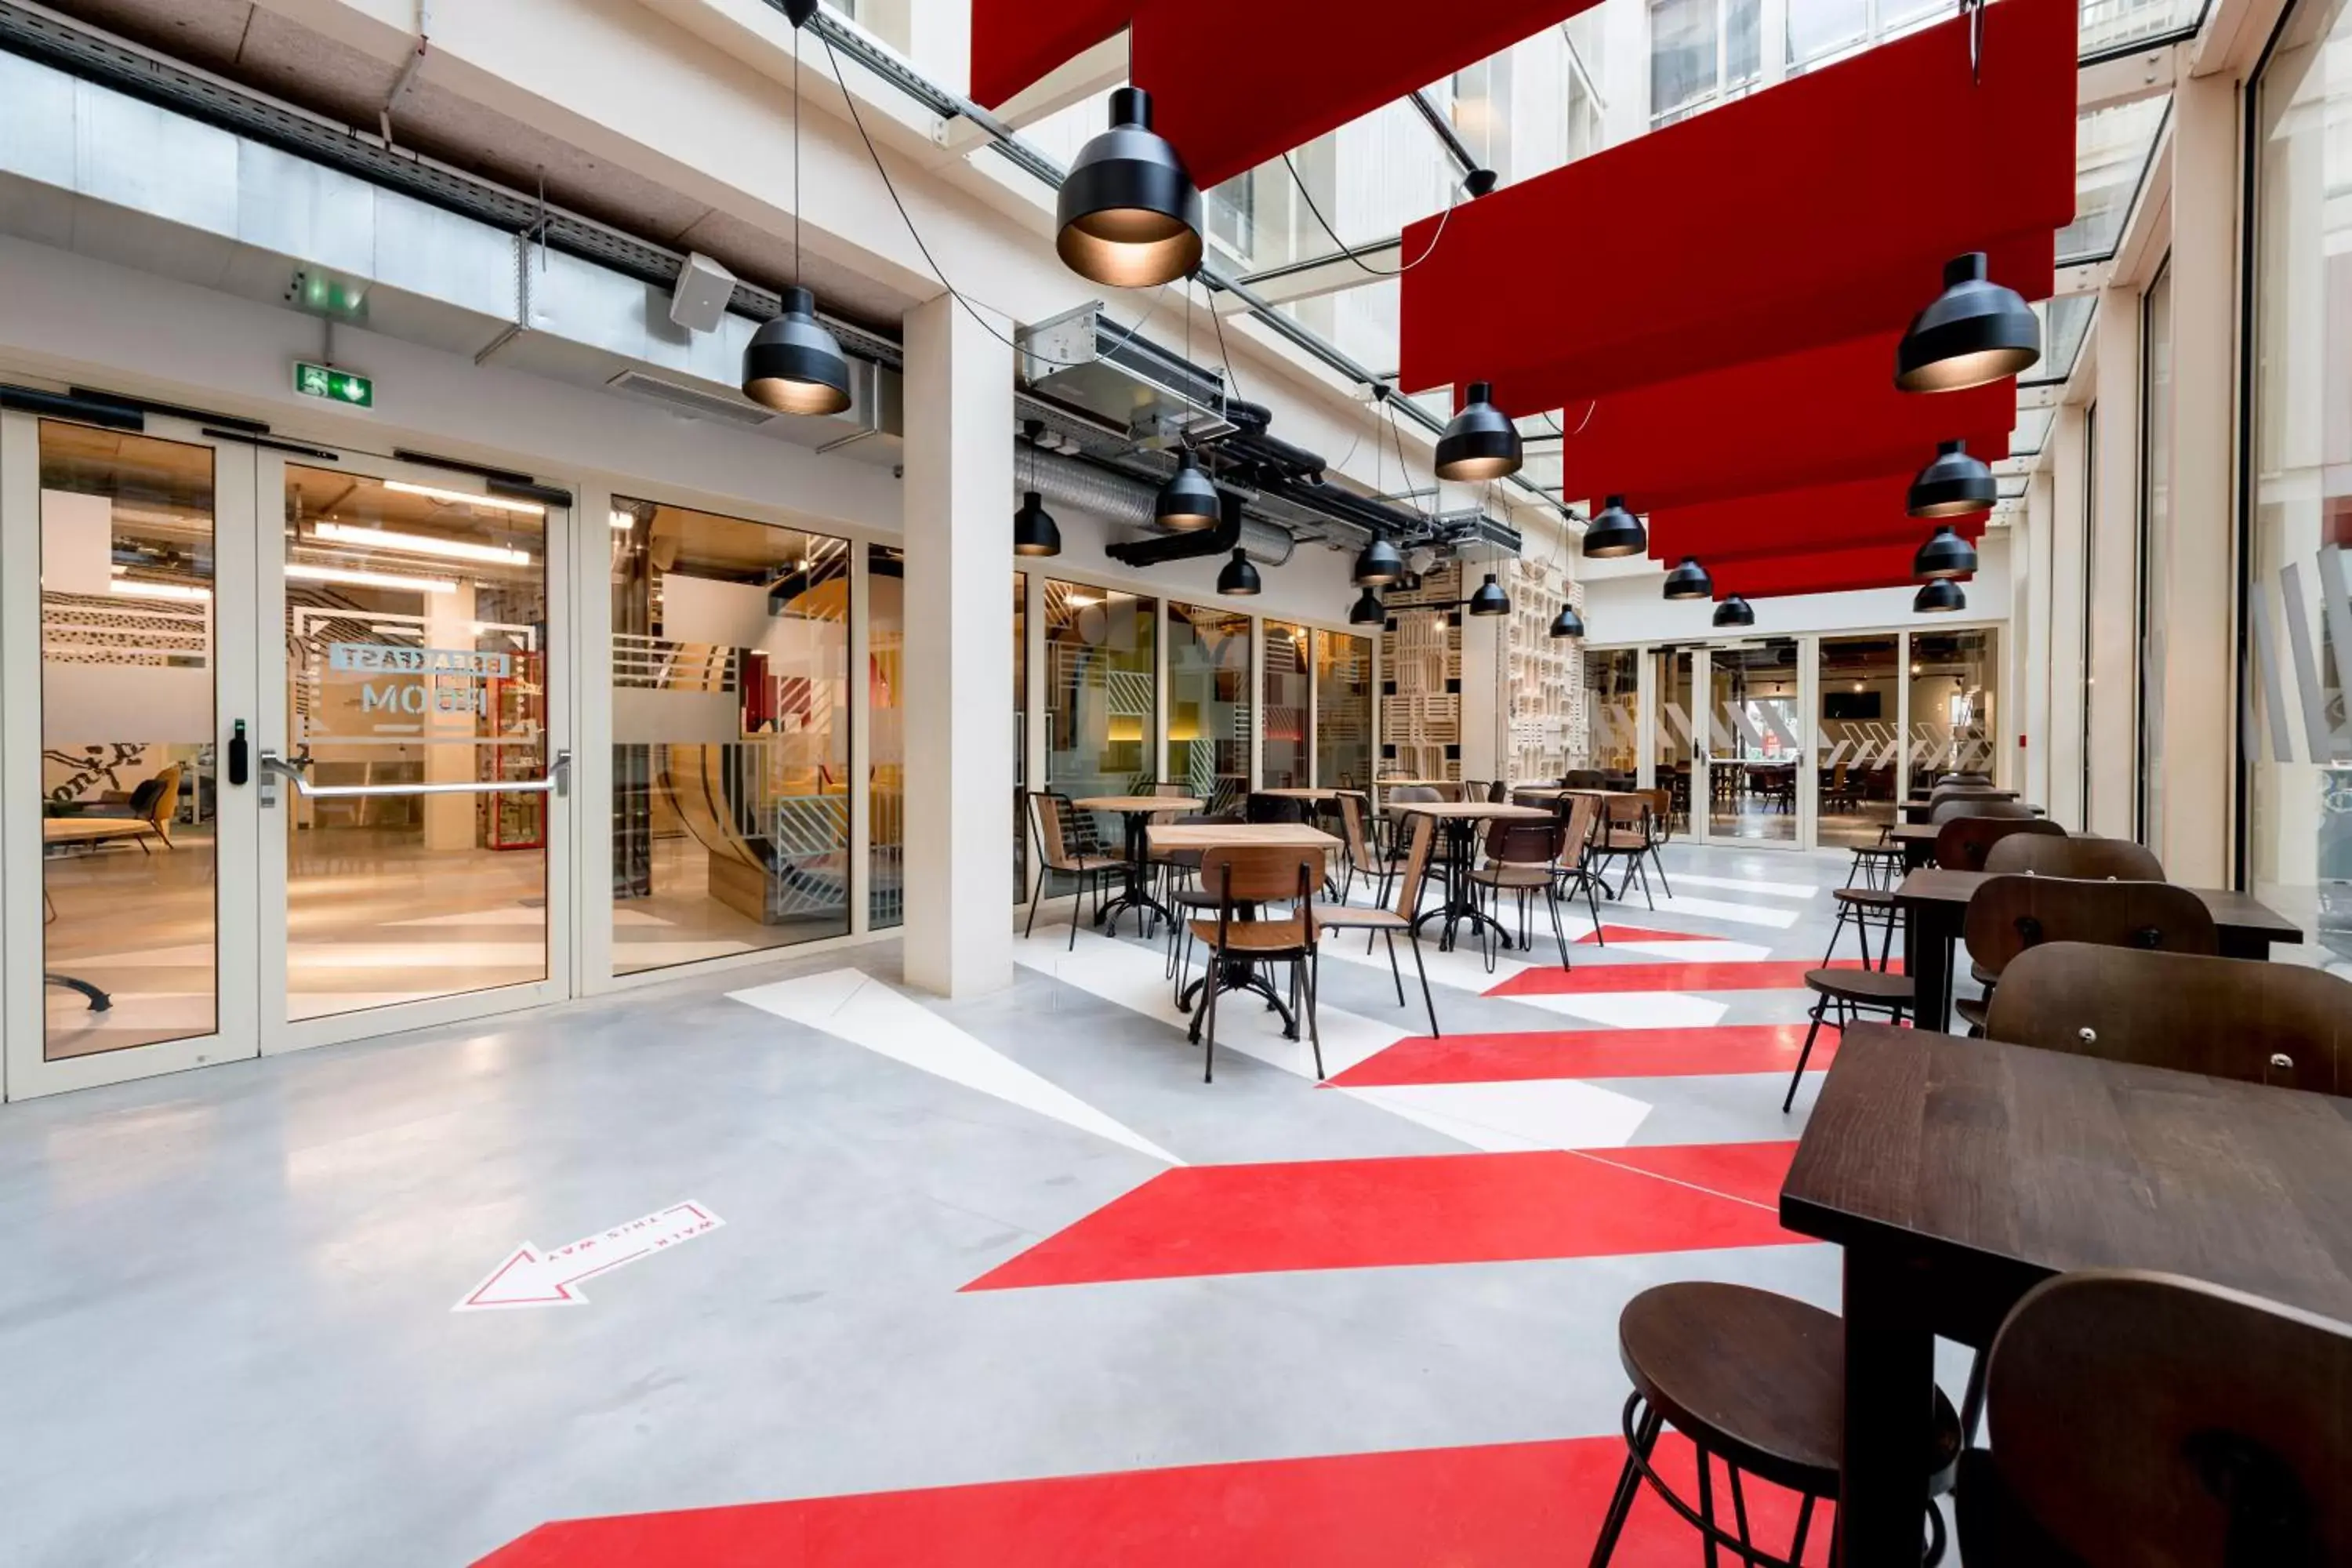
x=1862 y=509
x=1016 y=42
x=1821 y=209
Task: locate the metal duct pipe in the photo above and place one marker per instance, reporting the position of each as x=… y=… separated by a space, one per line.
x=1066 y=482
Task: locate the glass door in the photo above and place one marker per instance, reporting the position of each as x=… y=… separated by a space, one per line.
x=1752 y=758
x=414 y=767
x=1676 y=738
x=1858 y=737
x=126 y=636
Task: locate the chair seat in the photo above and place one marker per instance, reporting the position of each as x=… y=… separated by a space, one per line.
x=1759 y=1378
x=1077 y=863
x=1256 y=936
x=1512 y=876
x=1871 y=987
x=1193 y=898
x=1971 y=1010
x=1352 y=917
x=1880 y=851
x=1981 y=975
x=1624 y=838
x=1867 y=898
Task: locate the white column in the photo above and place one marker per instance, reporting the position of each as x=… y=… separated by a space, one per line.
x=2062 y=649
x=1486 y=708
x=959 y=651
x=2113 y=690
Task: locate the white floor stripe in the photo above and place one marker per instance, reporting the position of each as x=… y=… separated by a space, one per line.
x=849 y=1004
x=1634 y=1009
x=1463 y=969
x=1696 y=952
x=1515 y=1117
x=1716 y=909
x=1745 y=884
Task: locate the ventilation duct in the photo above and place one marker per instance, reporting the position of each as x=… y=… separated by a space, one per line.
x=1066 y=482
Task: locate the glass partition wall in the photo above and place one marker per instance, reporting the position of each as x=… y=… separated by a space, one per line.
x=1951 y=703
x=1209 y=709
x=1285 y=701
x=1343 y=710
x=1858 y=737
x=1751 y=742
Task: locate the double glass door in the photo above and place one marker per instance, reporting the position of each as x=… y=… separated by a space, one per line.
x=282 y=763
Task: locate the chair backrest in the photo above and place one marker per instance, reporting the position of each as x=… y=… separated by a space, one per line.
x=1662 y=812
x=1498 y=792
x=1523 y=843
x=1408 y=794
x=1624 y=810
x=1273 y=809
x=1352 y=829
x=1581 y=778
x=1262 y=873
x=1417 y=864
x=2044 y=855
x=2162 y=1422
x=1049 y=818
x=1582 y=810
x=2008 y=914
x=2282 y=1024
x=1964 y=778
x=1471 y=791
x=1945 y=807
x=1963 y=842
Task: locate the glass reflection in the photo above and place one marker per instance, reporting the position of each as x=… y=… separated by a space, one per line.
x=1752 y=750
x=1612 y=684
x=1101 y=713
x=1343 y=710
x=1209 y=708
x=1858 y=737
x=1953 y=677
x=1284 y=757
x=886 y=786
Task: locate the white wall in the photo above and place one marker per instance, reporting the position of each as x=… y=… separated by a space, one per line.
x=1628 y=609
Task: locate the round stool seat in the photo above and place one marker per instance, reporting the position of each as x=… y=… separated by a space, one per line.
x=1758 y=1379
x=1867 y=898
x=1870 y=987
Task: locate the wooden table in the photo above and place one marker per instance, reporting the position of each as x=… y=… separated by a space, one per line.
x=1138 y=809
x=1956 y=1174
x=1460 y=820
x=1918 y=842
x=1935 y=904
x=1921 y=810
x=1239 y=974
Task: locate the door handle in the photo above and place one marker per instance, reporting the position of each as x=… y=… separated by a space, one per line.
x=240 y=755
x=558 y=781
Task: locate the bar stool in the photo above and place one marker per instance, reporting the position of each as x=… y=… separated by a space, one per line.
x=1757 y=1381
x=1878 y=865
x=1868 y=908
x=1854 y=990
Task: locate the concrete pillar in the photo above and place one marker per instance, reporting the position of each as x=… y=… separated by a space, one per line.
x=2113 y=688
x=1486 y=705
x=959 y=651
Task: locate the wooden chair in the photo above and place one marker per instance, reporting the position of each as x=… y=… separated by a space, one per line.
x=1274 y=809
x=1361 y=859
x=1254 y=875
x=1050 y=818
x=1854 y=992
x=2280 y=1024
x=1471 y=790
x=1583 y=778
x=1522 y=858
x=1573 y=870
x=2008 y=914
x=1953 y=806
x=1387 y=922
x=1626 y=834
x=1661 y=829
x=2159 y=1422
x=1755 y=1381
x=2091 y=859
x=1963 y=843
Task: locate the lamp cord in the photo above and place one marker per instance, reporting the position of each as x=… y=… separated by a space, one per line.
x=797 y=160
x=1308 y=198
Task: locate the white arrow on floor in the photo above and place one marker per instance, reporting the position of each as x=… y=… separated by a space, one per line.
x=530 y=1278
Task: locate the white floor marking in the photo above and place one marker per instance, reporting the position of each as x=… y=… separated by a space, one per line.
x=1134 y=978
x=1694 y=952
x=1716 y=909
x=1745 y=884
x=1463 y=969
x=1634 y=1009
x=530 y=1278
x=850 y=1005
x=1515 y=1117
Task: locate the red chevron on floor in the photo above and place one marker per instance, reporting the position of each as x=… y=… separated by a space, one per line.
x=1768 y=975
x=1590 y=1053
x=1385 y=1213
x=1750 y=1172
x=1637 y=933
x=1512 y=1505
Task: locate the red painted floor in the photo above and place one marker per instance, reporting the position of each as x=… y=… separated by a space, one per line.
x=1750 y=1173
x=1609 y=933
x=1519 y=1505
x=1768 y=975
x=1590 y=1053
x=1374 y=1214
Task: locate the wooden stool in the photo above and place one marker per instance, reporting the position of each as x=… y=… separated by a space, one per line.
x=1757 y=1381
x=1878 y=865
x=1866 y=908
x=1853 y=990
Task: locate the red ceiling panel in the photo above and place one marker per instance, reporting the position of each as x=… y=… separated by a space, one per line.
x=1820 y=209
x=1775 y=576
x=1788 y=520
x=1824 y=415
x=1015 y=43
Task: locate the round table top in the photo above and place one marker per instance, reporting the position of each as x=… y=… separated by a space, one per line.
x=1303 y=793
x=1235 y=834
x=1126 y=802
x=1470 y=810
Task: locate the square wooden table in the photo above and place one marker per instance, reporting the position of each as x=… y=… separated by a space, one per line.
x=1934 y=905
x=1958 y=1174
x=1137 y=809
x=1239 y=974
x=1459 y=819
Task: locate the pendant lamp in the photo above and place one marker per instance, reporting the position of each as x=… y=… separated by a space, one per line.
x=1239 y=578
x=792 y=364
x=1129 y=216
x=1616 y=533
x=1735 y=612
x=1946 y=554
x=1689 y=581
x=1368 y=610
x=1481 y=443
x=1953 y=484
x=1188 y=502
x=1568 y=622
x=1940 y=596
x=1034 y=531
x=1975 y=331
x=1379 y=565
x=1490 y=599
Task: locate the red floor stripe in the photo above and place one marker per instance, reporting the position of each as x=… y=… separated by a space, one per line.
x=1514 y=1505
x=1753 y=1173
x=1373 y=1213
x=1590 y=1053
x=1637 y=933
x=1776 y=974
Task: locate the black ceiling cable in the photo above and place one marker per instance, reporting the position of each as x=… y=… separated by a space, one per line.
x=1308 y=198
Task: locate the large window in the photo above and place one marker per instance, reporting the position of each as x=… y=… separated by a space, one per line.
x=1612 y=684
x=730 y=736
x=1858 y=731
x=1286 y=705
x=886 y=766
x=1701 y=52
x=1208 y=711
x=2298 y=790
x=1102 y=718
x=1953 y=677
x=1343 y=710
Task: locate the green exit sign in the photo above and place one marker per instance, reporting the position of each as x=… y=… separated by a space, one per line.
x=335 y=385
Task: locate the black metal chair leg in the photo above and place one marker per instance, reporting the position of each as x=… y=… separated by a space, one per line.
x=1659 y=861
x=1739 y=1516
x=1558 y=932
x=1313 y=1028
x=1803 y=1058
x=1629 y=1484
x=1034 y=899
x=1413 y=940
x=1837 y=931
x=1209 y=983
x=1707 y=1506
x=1395 y=972
x=1804 y=1529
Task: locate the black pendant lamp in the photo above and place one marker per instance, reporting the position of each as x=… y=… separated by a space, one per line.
x=1616 y=533
x=793 y=364
x=1940 y=597
x=1368 y=610
x=1975 y=331
x=1481 y=443
x=1735 y=612
x=1568 y=622
x=1490 y=599
x=1034 y=531
x=1953 y=484
x=1188 y=502
x=1946 y=554
x=1379 y=565
x=1239 y=578
x=1129 y=215
x=1689 y=581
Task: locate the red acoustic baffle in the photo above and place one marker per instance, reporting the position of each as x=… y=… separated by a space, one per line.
x=1818 y=210
x=1823 y=516
x=1779 y=574
x=1016 y=43
x=1824 y=415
